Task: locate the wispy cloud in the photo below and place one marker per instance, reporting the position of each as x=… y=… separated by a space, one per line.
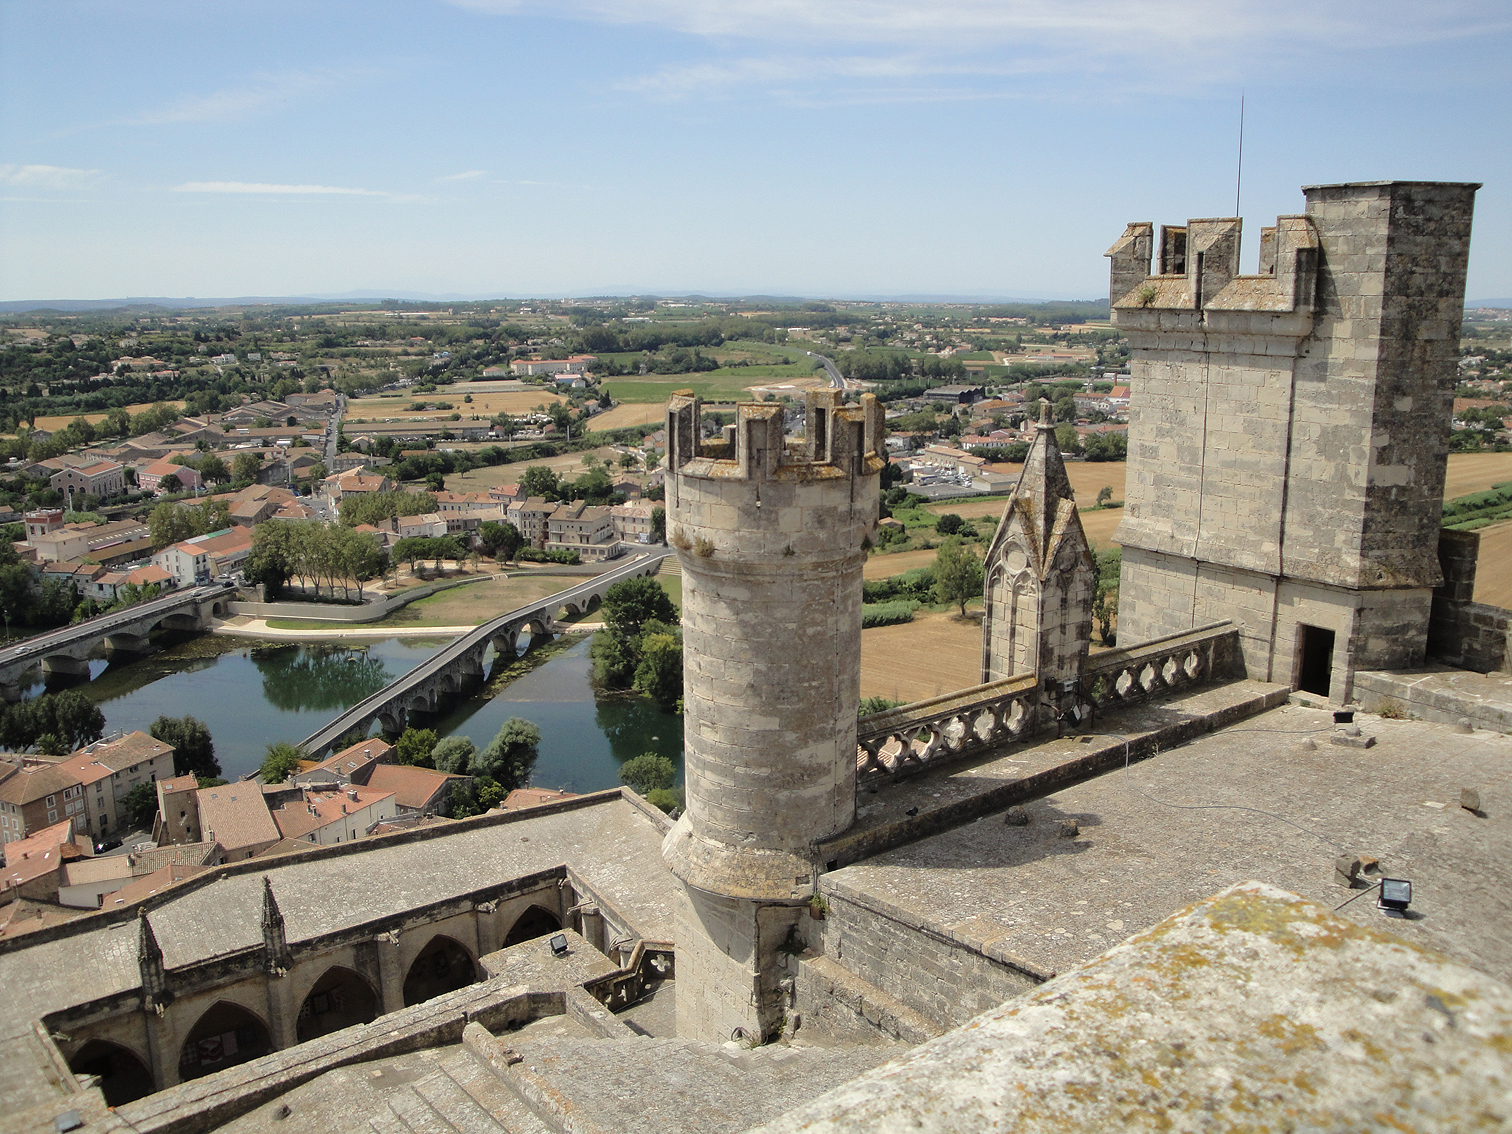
x=1097 y=24
x=258 y=93
x=263 y=187
x=925 y=78
x=468 y=176
x=45 y=177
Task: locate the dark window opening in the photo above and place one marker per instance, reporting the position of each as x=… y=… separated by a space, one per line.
x=1173 y=250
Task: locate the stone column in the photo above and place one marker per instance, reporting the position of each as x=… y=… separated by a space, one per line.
x=391 y=975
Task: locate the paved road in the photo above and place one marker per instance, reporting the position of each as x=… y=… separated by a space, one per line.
x=836 y=380
x=102 y=624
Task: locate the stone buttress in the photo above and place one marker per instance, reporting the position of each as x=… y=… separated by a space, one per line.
x=772 y=535
x=1040 y=576
x=1288 y=430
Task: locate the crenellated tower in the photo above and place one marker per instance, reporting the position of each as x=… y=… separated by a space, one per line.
x=1288 y=431
x=772 y=534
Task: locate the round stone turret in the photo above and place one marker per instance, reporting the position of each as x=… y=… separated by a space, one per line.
x=772 y=536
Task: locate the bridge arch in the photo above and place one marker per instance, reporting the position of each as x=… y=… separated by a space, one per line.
x=225 y=1034
x=339 y=999
x=123 y=1074
x=444 y=965
x=537 y=921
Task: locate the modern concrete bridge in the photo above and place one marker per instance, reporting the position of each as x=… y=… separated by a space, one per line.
x=423 y=688
x=67 y=650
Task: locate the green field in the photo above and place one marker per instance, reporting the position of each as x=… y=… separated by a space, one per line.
x=711 y=385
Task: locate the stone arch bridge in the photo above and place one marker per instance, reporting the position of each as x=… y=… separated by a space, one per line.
x=67 y=650
x=423 y=688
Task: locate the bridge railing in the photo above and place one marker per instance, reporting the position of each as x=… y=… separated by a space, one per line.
x=911 y=738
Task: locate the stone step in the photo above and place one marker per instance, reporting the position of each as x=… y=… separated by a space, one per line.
x=493 y=1095
x=675 y=1086
x=386 y=1121
x=416 y=1114
x=447 y=1097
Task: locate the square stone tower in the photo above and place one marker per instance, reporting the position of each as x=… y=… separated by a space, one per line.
x=1288 y=431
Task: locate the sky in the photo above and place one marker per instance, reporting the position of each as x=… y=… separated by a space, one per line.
x=822 y=148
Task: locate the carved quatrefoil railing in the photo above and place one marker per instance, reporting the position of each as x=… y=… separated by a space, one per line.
x=913 y=737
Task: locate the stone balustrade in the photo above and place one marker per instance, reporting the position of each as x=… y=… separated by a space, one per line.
x=913 y=737
x=1162 y=665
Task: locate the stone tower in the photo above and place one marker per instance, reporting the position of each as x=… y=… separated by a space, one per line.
x=772 y=535
x=1288 y=433
x=1039 y=574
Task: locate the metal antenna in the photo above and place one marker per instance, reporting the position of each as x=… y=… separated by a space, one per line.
x=1239 y=173
x=1239 y=176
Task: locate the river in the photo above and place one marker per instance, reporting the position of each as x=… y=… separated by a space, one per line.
x=252 y=693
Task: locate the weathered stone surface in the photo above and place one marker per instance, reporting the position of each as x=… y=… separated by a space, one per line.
x=1253 y=1010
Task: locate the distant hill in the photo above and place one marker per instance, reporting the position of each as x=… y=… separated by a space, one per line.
x=1470 y=303
x=169 y=303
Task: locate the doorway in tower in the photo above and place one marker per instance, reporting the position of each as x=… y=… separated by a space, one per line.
x=1315 y=647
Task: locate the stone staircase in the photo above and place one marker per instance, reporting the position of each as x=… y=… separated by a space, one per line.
x=523 y=1084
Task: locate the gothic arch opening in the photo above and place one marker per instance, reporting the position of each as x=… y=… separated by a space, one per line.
x=534 y=922
x=442 y=966
x=339 y=999
x=227 y=1034
x=123 y=1077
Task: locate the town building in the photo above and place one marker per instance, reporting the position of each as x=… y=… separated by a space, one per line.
x=585 y=528
x=34 y=865
x=109 y=770
x=202 y=558
x=236 y=816
x=633 y=522
x=37 y=795
x=98 y=478
x=151 y=476
x=529 y=367
x=329 y=815
x=416 y=791
x=530 y=517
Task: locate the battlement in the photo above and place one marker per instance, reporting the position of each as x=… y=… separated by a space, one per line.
x=839 y=441
x=1198 y=268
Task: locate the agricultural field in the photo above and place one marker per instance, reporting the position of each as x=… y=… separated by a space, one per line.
x=1493 y=576
x=568 y=466
x=631 y=413
x=712 y=385
x=56 y=422
x=485 y=403
x=1475 y=472
x=935 y=653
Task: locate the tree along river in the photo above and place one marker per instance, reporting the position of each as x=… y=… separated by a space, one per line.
x=251 y=693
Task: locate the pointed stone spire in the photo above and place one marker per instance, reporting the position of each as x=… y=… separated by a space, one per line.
x=1044 y=482
x=276 y=957
x=155 y=994
x=1040 y=578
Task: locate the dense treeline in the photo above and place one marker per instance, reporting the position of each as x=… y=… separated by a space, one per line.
x=54 y=724
x=317 y=555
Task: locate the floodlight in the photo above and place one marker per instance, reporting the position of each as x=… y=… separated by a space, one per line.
x=1395 y=895
x=559 y=945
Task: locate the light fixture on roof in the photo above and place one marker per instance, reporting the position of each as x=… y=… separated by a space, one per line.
x=1395 y=895
x=559 y=945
